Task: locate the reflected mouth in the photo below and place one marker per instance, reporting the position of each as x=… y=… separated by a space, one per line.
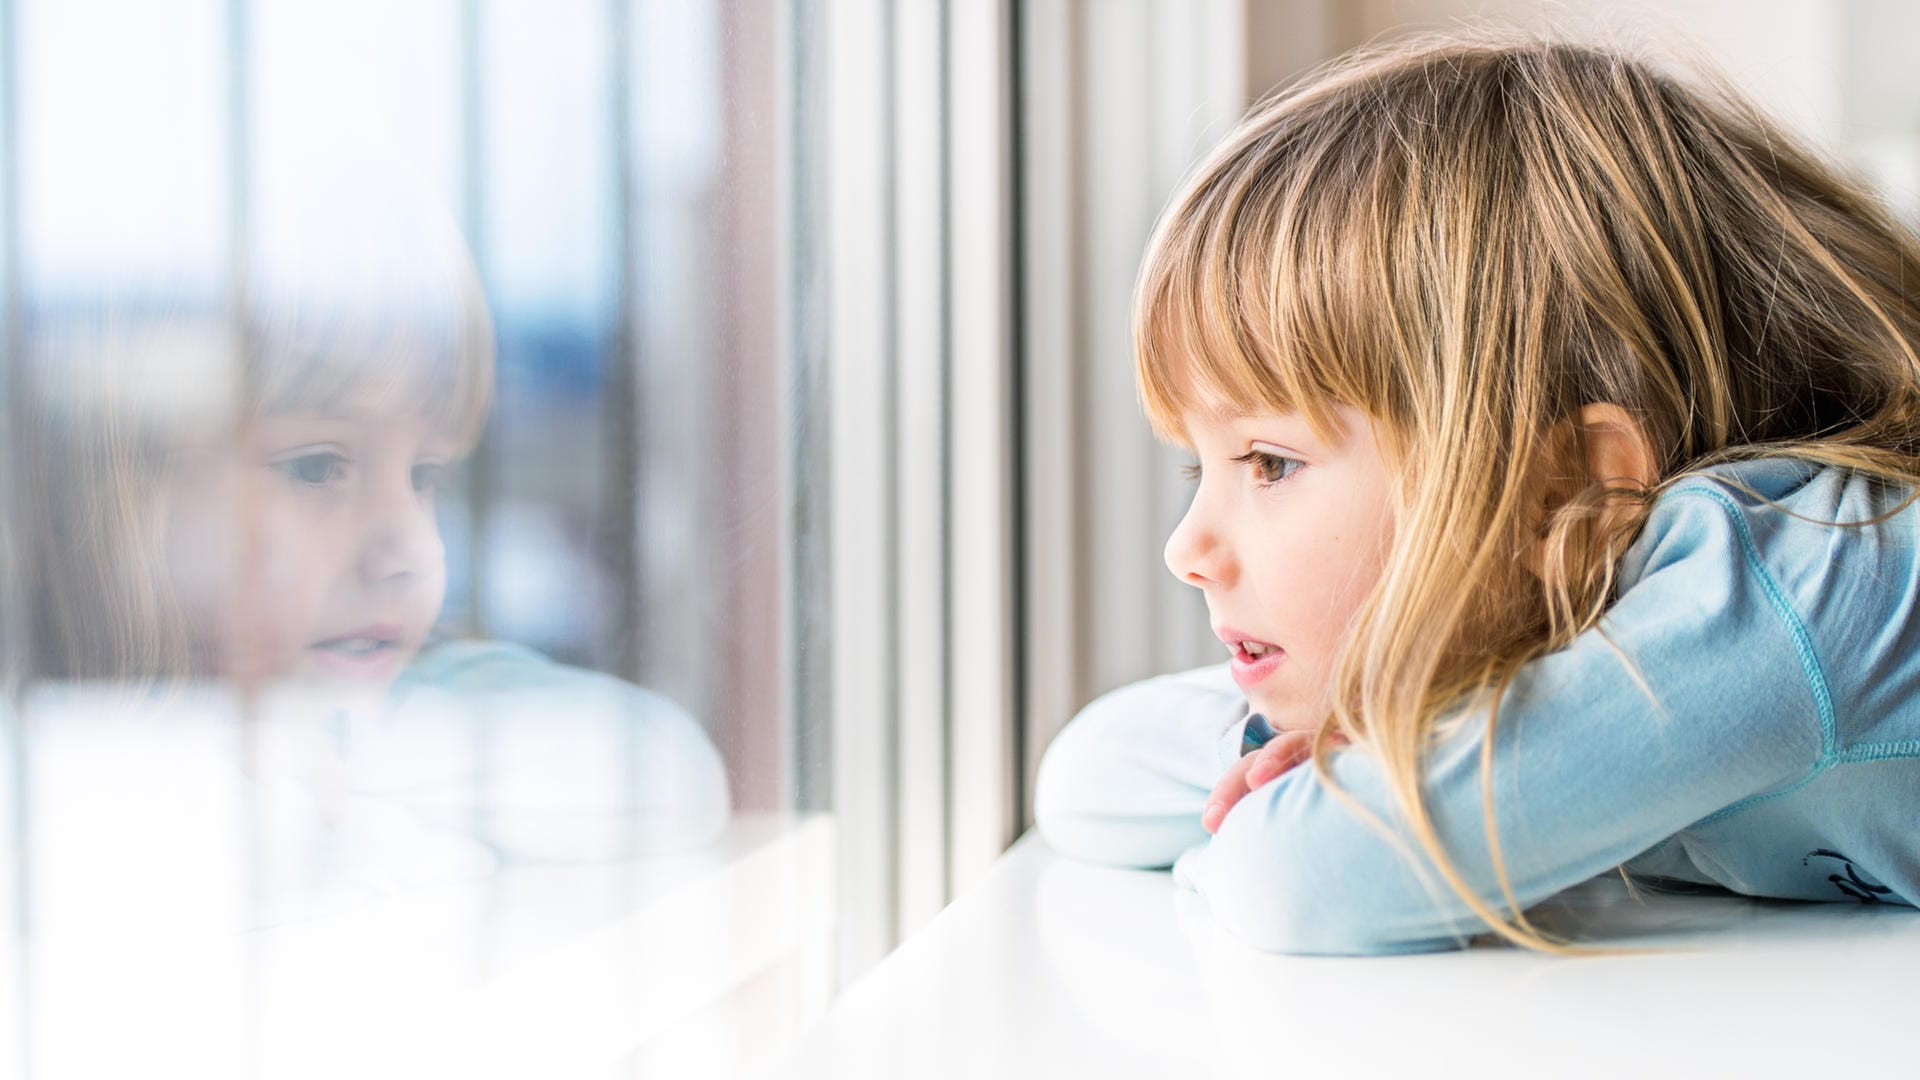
x=370 y=651
x=357 y=647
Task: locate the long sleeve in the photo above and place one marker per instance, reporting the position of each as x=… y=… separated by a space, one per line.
x=565 y=763
x=1587 y=772
x=1124 y=782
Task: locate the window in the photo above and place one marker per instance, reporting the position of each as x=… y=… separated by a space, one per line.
x=511 y=522
x=407 y=590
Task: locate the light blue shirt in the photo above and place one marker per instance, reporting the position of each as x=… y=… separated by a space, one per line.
x=1782 y=758
x=553 y=762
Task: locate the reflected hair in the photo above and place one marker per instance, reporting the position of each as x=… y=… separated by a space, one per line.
x=359 y=293
x=1470 y=237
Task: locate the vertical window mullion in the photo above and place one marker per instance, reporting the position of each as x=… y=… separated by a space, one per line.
x=1053 y=511
x=473 y=220
x=983 y=754
x=863 y=644
x=919 y=489
x=623 y=471
x=15 y=653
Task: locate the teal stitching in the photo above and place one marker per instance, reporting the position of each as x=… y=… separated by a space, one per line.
x=1797 y=632
x=1885 y=751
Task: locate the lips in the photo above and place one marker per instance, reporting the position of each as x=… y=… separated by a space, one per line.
x=367 y=652
x=1253 y=659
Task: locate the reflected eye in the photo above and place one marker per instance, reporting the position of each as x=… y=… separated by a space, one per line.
x=1191 y=472
x=315 y=469
x=429 y=477
x=1269 y=468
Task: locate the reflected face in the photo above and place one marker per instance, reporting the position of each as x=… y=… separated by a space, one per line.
x=311 y=552
x=1286 y=534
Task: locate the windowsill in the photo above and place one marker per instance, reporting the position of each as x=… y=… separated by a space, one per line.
x=533 y=970
x=1052 y=967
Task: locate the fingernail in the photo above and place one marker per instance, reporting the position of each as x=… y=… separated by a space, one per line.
x=1211 y=815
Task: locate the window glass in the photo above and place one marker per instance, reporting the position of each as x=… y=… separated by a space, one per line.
x=396 y=531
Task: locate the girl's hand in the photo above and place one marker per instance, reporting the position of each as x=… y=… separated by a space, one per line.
x=1282 y=752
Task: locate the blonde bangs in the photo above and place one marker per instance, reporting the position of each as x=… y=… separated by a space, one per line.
x=363 y=295
x=1264 y=284
x=435 y=363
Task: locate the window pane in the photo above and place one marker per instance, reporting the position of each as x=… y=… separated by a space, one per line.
x=398 y=537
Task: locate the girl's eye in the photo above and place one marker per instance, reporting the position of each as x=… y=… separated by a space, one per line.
x=1269 y=468
x=429 y=478
x=317 y=469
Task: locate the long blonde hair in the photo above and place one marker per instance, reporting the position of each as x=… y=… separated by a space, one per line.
x=1470 y=238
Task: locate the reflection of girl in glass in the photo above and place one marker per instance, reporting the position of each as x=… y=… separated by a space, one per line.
x=263 y=511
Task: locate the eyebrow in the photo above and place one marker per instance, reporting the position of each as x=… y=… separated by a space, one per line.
x=352 y=414
x=1306 y=441
x=1239 y=416
x=1234 y=412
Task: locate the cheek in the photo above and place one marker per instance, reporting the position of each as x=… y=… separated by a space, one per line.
x=289 y=565
x=200 y=543
x=433 y=583
x=1355 y=555
x=199 y=555
x=1317 y=578
x=1328 y=595
x=279 y=572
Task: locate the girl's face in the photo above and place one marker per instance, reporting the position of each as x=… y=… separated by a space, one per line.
x=1286 y=534
x=310 y=551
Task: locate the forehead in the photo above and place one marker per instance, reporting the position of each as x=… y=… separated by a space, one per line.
x=445 y=385
x=1211 y=418
x=366 y=418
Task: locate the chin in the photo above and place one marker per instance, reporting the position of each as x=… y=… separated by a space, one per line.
x=1282 y=717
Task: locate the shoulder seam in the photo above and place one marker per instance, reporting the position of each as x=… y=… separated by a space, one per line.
x=1802 y=647
x=1886 y=751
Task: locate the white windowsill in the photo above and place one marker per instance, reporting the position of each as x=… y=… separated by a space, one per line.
x=1054 y=968
x=716 y=957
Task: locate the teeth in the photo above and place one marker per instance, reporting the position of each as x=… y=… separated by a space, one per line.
x=1254 y=648
x=356 y=646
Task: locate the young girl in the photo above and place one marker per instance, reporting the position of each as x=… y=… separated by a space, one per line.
x=256 y=507
x=1557 y=428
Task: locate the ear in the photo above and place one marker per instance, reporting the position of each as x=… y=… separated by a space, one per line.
x=1618 y=455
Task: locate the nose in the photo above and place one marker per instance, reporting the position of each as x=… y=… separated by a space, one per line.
x=1195 y=552
x=400 y=538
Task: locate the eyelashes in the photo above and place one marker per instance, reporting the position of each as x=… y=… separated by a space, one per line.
x=1269 y=468
x=316 y=469
x=319 y=470
x=428 y=477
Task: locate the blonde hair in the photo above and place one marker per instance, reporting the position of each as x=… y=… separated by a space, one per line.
x=371 y=300
x=1470 y=238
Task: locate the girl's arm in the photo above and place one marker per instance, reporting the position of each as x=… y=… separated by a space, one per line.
x=1587 y=772
x=1125 y=781
x=566 y=763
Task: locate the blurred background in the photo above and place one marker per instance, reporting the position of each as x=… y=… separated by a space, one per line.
x=814 y=415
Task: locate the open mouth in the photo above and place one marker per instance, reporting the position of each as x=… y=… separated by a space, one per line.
x=357 y=647
x=1250 y=651
x=1254 y=660
x=361 y=655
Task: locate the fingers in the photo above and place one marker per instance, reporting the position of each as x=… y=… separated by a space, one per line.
x=1283 y=752
x=1225 y=793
